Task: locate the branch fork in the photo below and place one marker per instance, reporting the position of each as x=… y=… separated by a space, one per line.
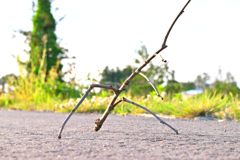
x=99 y=122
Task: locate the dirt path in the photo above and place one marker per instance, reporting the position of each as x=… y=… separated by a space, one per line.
x=33 y=135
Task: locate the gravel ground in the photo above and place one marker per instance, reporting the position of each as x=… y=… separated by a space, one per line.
x=33 y=135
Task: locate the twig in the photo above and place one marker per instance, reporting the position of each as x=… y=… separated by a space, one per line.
x=80 y=102
x=161 y=121
x=151 y=84
x=105 y=86
x=180 y=13
x=100 y=121
x=112 y=104
x=165 y=61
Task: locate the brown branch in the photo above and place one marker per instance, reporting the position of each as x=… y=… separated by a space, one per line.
x=80 y=102
x=100 y=121
x=161 y=121
x=112 y=104
x=151 y=84
x=119 y=101
x=165 y=61
x=105 y=86
x=180 y=13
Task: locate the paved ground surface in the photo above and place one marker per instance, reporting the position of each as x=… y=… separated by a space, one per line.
x=33 y=135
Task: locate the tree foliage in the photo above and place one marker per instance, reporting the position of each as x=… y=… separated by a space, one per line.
x=115 y=77
x=43 y=39
x=201 y=81
x=158 y=74
x=161 y=75
x=226 y=86
x=187 y=86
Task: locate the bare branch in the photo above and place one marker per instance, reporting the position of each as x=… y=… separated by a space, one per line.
x=165 y=61
x=180 y=13
x=113 y=103
x=161 y=121
x=151 y=84
x=80 y=102
x=105 y=86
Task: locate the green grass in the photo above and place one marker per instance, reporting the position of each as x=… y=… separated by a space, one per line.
x=32 y=92
x=206 y=104
x=36 y=92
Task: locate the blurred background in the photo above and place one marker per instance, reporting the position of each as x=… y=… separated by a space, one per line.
x=58 y=48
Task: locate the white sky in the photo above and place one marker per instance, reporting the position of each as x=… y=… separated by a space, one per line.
x=107 y=33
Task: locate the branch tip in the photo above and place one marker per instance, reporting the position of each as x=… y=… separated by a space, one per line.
x=150 y=83
x=169 y=30
x=160 y=120
x=160 y=97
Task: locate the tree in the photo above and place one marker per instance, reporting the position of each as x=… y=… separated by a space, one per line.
x=226 y=86
x=201 y=81
x=173 y=87
x=187 y=86
x=115 y=77
x=5 y=80
x=157 y=74
x=42 y=41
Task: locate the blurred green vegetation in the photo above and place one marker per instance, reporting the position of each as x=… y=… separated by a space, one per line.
x=36 y=92
x=43 y=40
x=30 y=91
x=39 y=86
